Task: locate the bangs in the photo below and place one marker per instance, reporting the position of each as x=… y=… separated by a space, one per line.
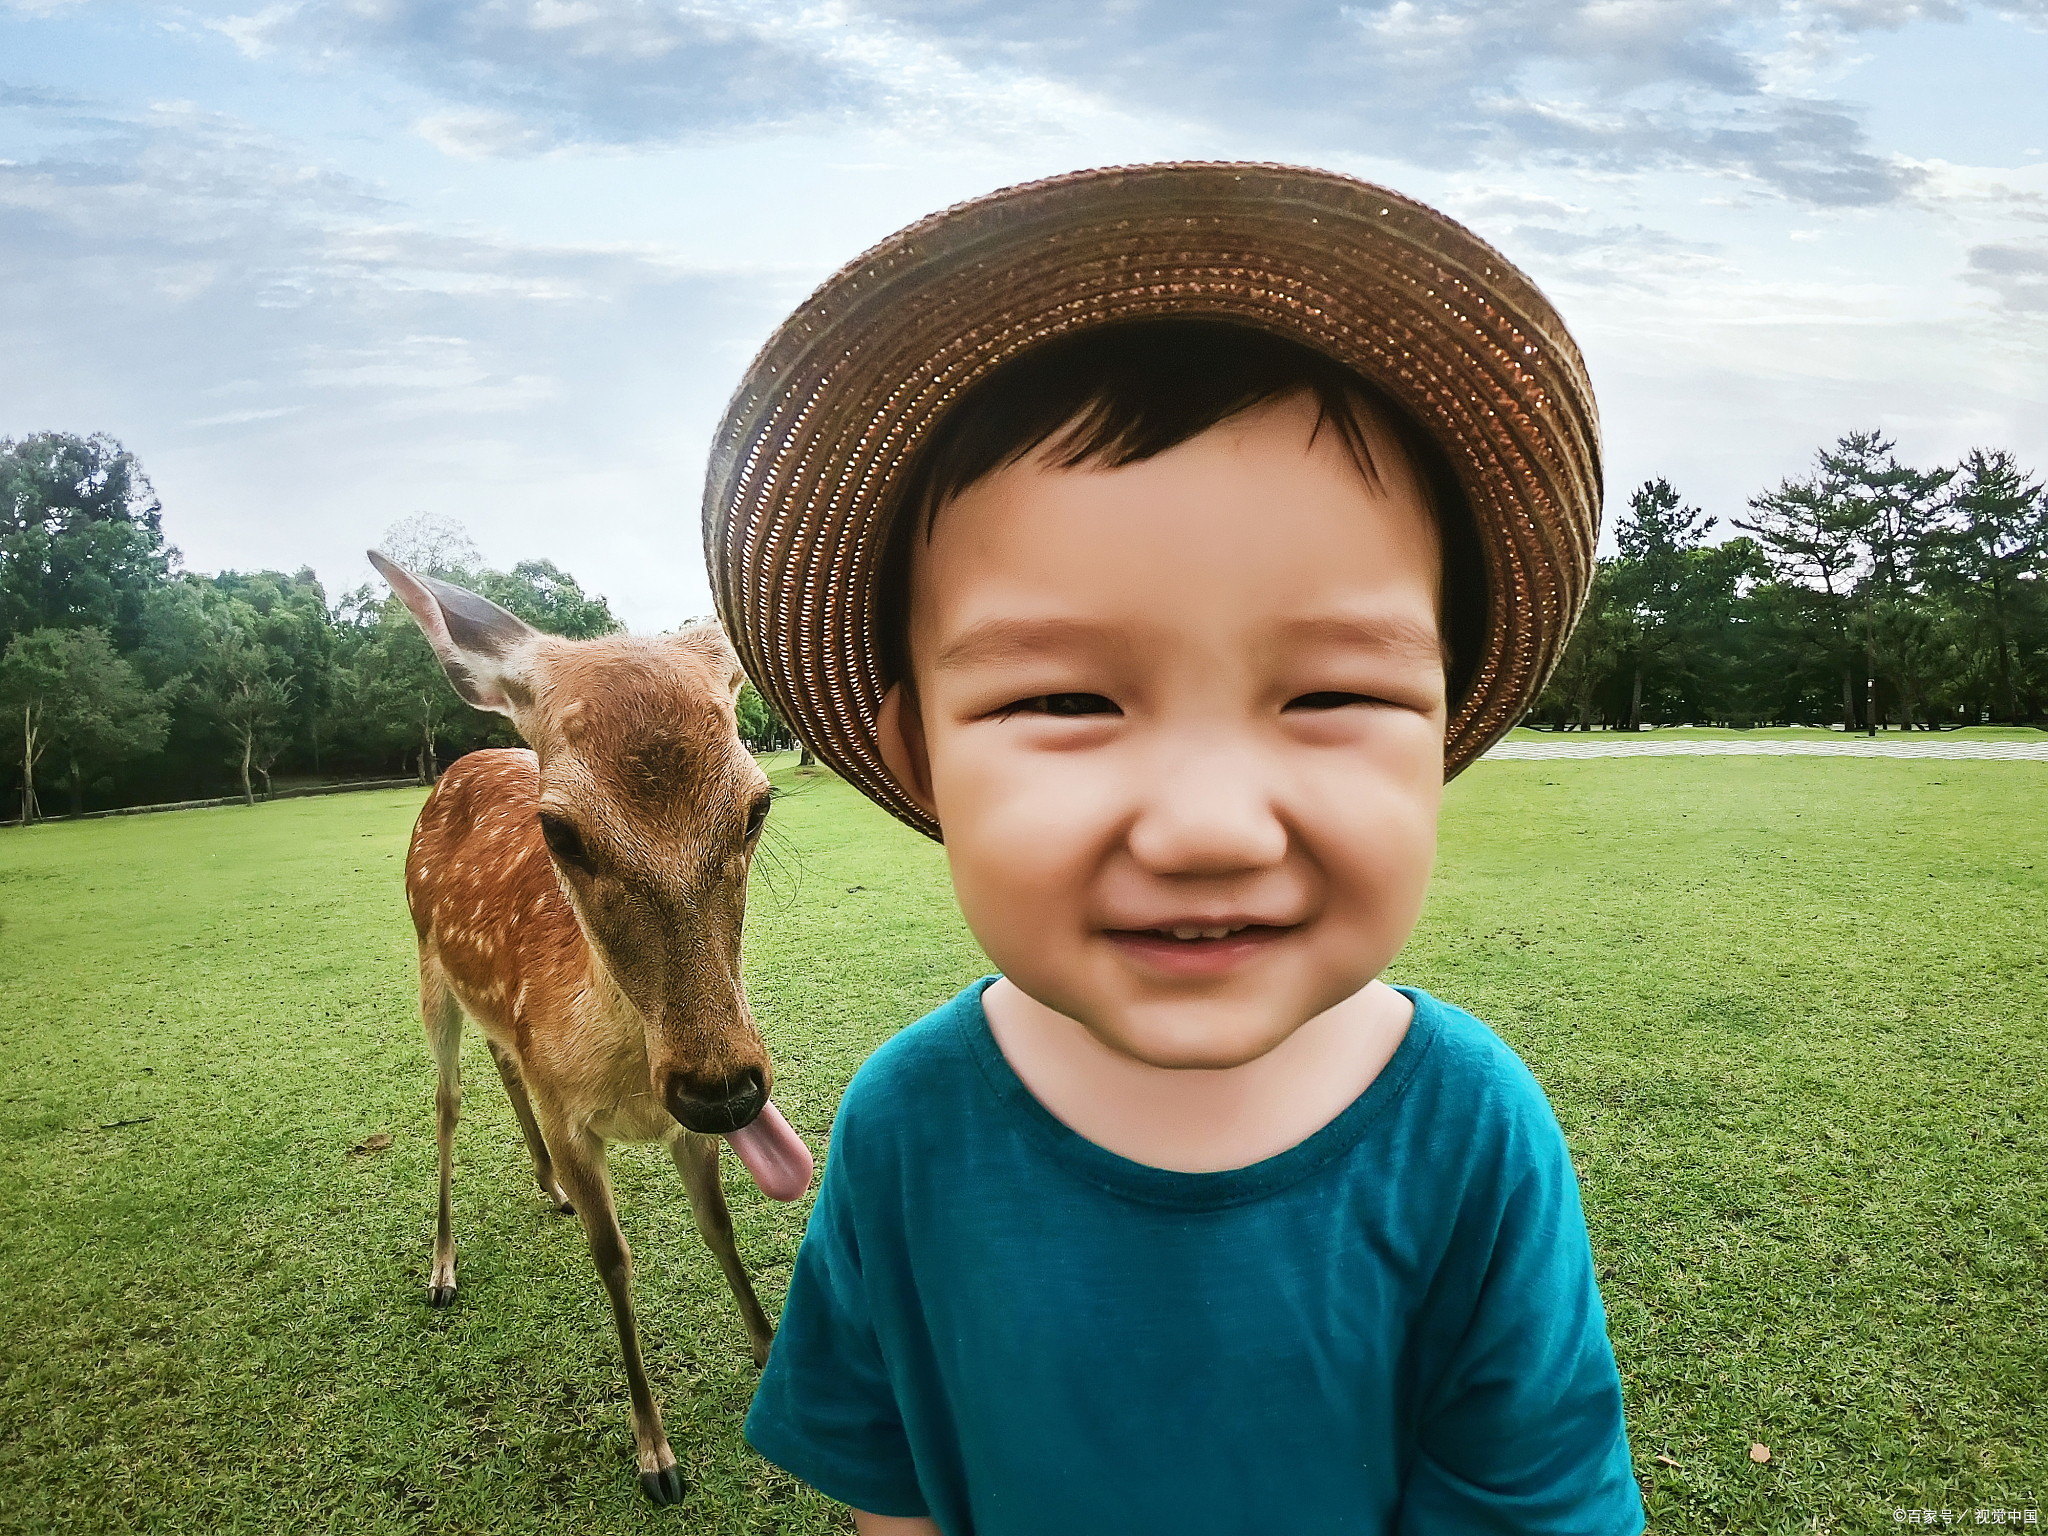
x=1120 y=394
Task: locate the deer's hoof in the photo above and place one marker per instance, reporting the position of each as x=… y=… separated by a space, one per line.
x=440 y=1295
x=664 y=1487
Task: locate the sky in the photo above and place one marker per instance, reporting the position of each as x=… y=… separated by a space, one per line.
x=323 y=266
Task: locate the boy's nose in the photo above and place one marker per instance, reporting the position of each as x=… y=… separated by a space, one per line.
x=1210 y=815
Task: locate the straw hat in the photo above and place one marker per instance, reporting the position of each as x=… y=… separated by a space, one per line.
x=806 y=464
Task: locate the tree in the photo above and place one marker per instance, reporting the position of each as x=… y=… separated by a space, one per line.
x=1670 y=611
x=1904 y=636
x=72 y=692
x=761 y=728
x=81 y=535
x=1991 y=551
x=1653 y=536
x=288 y=615
x=398 y=684
x=549 y=599
x=1589 y=659
x=1808 y=535
x=1858 y=527
x=31 y=682
x=240 y=684
x=1890 y=507
x=1784 y=665
x=395 y=680
x=428 y=544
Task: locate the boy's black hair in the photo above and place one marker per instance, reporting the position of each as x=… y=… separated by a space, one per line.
x=1127 y=392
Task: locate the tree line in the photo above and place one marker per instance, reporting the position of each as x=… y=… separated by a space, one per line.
x=1867 y=594
x=126 y=681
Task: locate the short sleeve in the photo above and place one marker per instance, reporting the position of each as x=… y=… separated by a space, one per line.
x=1523 y=1431
x=825 y=1411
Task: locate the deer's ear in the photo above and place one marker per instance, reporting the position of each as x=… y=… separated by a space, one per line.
x=709 y=637
x=474 y=638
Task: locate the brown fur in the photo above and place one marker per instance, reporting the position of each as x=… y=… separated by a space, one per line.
x=597 y=990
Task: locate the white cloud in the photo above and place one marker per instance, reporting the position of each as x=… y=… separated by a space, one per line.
x=1733 y=85
x=243 y=418
x=251 y=34
x=504 y=259
x=359 y=362
x=2015 y=274
x=481 y=135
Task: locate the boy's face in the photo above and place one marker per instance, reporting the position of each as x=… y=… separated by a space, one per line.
x=1195 y=696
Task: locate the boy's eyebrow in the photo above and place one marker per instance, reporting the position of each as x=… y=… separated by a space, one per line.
x=1004 y=639
x=1396 y=633
x=1000 y=639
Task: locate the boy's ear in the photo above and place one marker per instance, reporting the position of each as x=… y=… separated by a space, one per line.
x=476 y=640
x=899 y=732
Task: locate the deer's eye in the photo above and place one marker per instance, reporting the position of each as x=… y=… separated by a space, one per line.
x=756 y=816
x=564 y=841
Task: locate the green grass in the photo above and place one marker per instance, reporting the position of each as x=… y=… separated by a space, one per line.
x=1790 y=1012
x=2017 y=733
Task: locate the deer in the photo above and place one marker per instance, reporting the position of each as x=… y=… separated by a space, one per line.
x=581 y=901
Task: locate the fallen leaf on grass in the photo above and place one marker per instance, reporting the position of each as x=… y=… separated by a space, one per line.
x=1759 y=1454
x=1667 y=1461
x=381 y=1142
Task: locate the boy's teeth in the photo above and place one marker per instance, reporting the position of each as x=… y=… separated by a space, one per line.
x=1202 y=933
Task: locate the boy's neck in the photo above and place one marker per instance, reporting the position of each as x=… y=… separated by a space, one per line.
x=1199 y=1120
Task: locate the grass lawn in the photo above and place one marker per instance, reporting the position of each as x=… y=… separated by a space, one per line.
x=1793 y=1013
x=2016 y=733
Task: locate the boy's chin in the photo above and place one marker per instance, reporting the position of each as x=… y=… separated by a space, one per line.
x=1185 y=1036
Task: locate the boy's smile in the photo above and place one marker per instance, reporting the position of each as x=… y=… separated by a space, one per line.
x=1157 y=538
x=1182 y=723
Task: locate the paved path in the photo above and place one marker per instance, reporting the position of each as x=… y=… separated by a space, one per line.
x=1830 y=744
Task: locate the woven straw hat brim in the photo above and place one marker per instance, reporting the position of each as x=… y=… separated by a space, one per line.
x=817 y=438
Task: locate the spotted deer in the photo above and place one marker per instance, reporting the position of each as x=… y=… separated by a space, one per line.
x=582 y=903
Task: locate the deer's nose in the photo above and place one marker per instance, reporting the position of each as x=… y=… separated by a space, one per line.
x=716 y=1105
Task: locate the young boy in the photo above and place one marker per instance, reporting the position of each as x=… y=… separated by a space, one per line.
x=1162 y=538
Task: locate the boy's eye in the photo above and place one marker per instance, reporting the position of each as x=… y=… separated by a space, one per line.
x=1328 y=700
x=1063 y=704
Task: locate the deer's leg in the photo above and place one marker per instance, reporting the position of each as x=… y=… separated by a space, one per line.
x=697 y=1160
x=581 y=1167
x=522 y=1107
x=442 y=1016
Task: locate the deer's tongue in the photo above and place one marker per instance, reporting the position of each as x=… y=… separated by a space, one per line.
x=774 y=1154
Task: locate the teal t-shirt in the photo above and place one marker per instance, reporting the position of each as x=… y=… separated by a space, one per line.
x=1390 y=1327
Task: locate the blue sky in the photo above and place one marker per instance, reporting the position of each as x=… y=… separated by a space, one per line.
x=324 y=265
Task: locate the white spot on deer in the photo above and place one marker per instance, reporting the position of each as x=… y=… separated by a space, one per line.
x=589 y=1059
